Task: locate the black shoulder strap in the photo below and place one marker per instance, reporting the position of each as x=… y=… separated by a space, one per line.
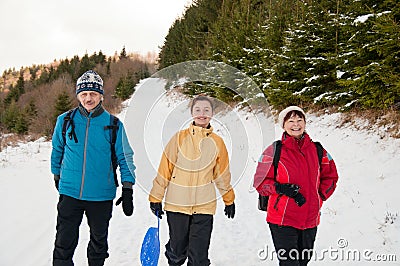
x=277 y=155
x=68 y=120
x=114 y=128
x=320 y=151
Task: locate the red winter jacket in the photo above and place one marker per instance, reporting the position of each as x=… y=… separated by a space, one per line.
x=298 y=165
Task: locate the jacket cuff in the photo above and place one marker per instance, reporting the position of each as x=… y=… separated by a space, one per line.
x=154 y=199
x=126 y=184
x=229 y=197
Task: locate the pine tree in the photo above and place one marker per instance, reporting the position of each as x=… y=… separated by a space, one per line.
x=62 y=105
x=123 y=54
x=187 y=37
x=10 y=117
x=20 y=84
x=125 y=87
x=108 y=66
x=63 y=67
x=74 y=69
x=33 y=71
x=101 y=58
x=44 y=77
x=364 y=64
x=30 y=111
x=16 y=91
x=21 y=124
x=86 y=64
x=13 y=95
x=303 y=69
x=381 y=78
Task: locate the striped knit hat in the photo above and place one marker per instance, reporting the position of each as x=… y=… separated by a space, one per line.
x=89 y=81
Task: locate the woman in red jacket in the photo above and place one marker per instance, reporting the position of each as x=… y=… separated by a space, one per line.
x=298 y=190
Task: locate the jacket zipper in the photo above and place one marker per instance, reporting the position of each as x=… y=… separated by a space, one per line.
x=277 y=201
x=329 y=188
x=195 y=174
x=84 y=157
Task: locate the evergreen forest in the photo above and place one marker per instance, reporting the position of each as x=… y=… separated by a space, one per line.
x=31 y=98
x=342 y=54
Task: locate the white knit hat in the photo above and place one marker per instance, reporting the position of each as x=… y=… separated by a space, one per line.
x=287 y=110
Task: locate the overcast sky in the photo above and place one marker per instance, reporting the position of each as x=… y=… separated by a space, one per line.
x=37 y=32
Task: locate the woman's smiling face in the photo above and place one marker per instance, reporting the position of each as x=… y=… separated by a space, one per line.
x=295 y=126
x=202 y=113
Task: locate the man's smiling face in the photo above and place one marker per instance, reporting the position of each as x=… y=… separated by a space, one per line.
x=89 y=99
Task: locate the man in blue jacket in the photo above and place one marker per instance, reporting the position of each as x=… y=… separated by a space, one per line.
x=84 y=172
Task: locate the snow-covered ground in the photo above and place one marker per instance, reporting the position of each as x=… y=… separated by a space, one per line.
x=360 y=223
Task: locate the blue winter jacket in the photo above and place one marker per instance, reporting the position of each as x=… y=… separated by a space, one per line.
x=85 y=167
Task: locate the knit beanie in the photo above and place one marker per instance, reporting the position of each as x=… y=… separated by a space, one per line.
x=89 y=81
x=287 y=110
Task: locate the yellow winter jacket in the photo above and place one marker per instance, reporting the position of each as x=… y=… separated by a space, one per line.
x=194 y=162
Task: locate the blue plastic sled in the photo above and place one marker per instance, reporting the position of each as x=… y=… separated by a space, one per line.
x=150 y=251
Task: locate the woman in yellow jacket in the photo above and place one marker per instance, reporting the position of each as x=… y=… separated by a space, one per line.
x=194 y=162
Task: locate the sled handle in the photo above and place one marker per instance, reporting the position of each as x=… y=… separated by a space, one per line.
x=158 y=220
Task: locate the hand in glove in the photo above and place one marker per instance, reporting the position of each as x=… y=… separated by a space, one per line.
x=156 y=208
x=56 y=181
x=230 y=210
x=290 y=190
x=127 y=201
x=299 y=199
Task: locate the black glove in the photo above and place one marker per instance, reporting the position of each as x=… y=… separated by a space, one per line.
x=230 y=210
x=56 y=181
x=290 y=190
x=156 y=208
x=299 y=199
x=127 y=201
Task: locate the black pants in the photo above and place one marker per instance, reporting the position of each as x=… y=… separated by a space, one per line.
x=293 y=246
x=189 y=237
x=69 y=218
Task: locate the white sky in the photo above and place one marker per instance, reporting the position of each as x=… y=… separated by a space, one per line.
x=37 y=32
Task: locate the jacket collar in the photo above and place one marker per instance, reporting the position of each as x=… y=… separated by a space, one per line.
x=293 y=143
x=98 y=110
x=194 y=130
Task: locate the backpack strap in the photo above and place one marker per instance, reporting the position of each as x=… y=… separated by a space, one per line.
x=277 y=155
x=114 y=128
x=263 y=200
x=68 y=121
x=320 y=151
